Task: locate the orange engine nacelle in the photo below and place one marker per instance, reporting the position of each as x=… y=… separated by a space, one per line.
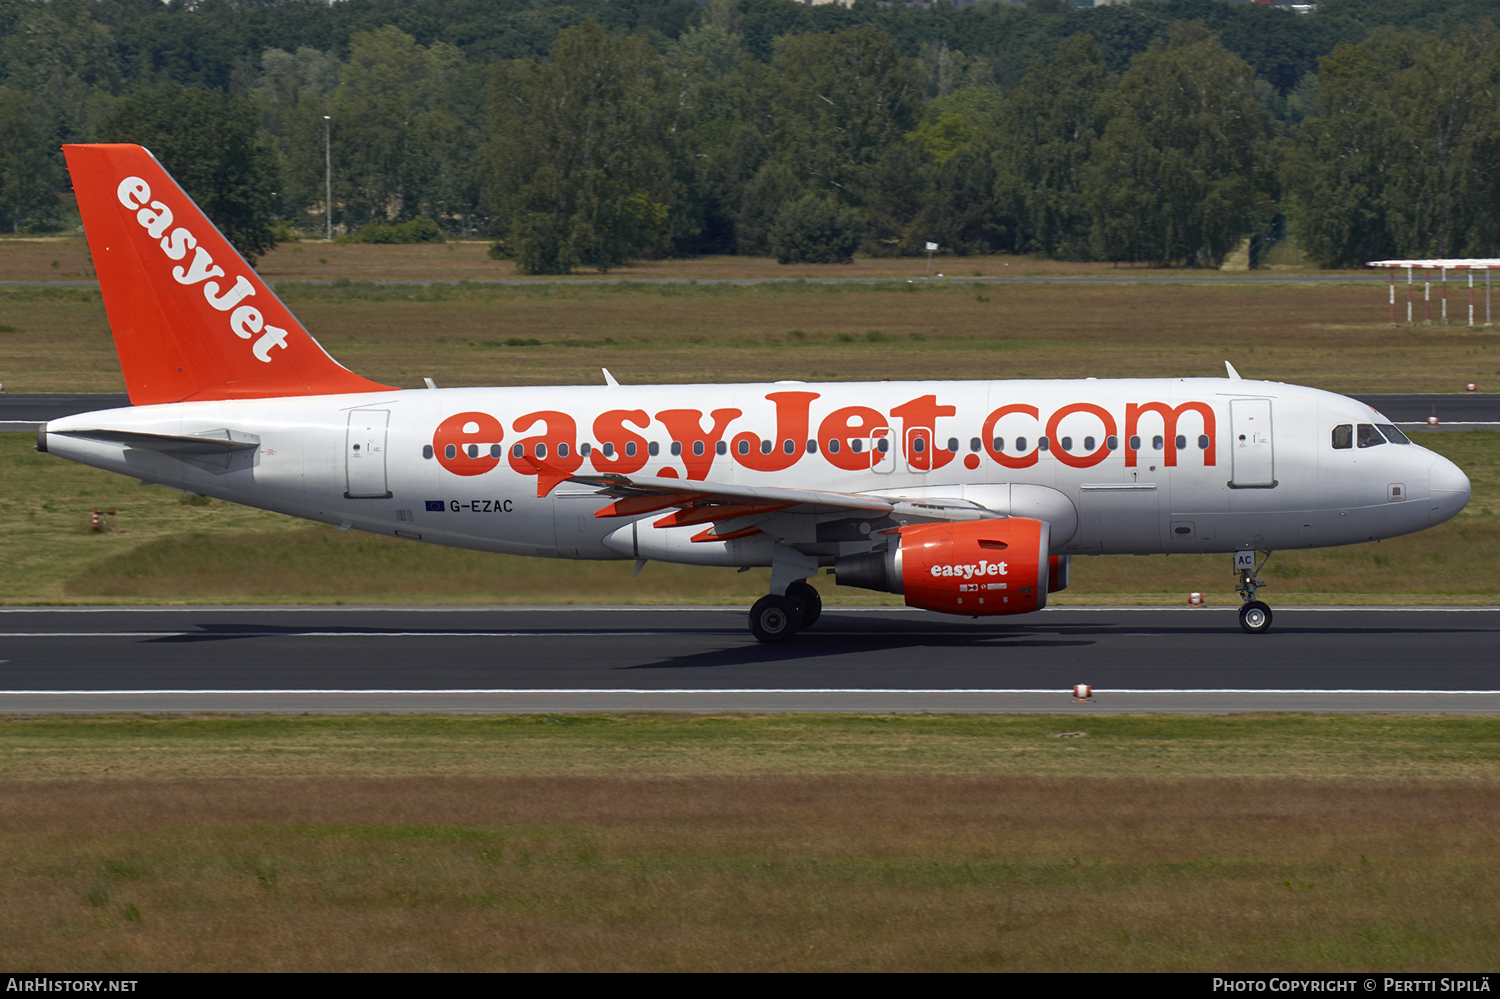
x=976 y=567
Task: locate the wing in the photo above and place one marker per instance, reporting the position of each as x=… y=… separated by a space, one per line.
x=735 y=511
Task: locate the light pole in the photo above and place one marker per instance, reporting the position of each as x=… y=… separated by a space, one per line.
x=328 y=171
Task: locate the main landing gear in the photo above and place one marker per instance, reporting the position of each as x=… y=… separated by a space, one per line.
x=1255 y=616
x=776 y=618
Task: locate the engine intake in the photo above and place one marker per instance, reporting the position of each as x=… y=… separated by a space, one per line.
x=977 y=567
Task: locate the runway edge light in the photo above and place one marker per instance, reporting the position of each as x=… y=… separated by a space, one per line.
x=1082 y=692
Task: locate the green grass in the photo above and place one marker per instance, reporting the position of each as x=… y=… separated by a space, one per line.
x=1128 y=747
x=1330 y=336
x=655 y=842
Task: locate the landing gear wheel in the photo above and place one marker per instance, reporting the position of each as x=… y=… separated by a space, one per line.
x=1255 y=618
x=812 y=604
x=775 y=618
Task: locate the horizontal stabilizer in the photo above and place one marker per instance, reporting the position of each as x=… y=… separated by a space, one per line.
x=210 y=442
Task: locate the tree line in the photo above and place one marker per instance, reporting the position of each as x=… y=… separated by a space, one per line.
x=585 y=133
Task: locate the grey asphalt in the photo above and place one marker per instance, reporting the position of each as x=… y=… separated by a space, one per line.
x=702 y=659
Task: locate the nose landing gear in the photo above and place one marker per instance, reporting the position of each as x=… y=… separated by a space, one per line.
x=1255 y=616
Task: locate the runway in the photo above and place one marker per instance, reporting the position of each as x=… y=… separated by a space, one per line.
x=466 y=660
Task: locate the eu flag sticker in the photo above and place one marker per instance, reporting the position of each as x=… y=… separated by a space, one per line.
x=434 y=506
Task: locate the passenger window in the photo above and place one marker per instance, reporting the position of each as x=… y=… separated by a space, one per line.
x=1343 y=436
x=1112 y=442
x=653 y=449
x=630 y=449
x=676 y=448
x=1088 y=444
x=1156 y=442
x=609 y=449
x=833 y=445
x=1020 y=445
x=451 y=451
x=1135 y=442
x=519 y=450
x=812 y=447
x=857 y=444
x=697 y=447
x=496 y=450
x=1044 y=444
x=1203 y=442
x=765 y=447
x=1368 y=436
x=1392 y=434
x=1181 y=442
x=953 y=444
x=562 y=450
x=744 y=447
x=884 y=444
x=918 y=445
x=721 y=448
x=585 y=448
x=1067 y=443
x=975 y=444
x=1000 y=443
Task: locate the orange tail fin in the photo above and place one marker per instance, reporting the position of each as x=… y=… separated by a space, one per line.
x=191 y=320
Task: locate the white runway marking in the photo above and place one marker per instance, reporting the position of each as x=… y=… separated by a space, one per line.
x=746 y=690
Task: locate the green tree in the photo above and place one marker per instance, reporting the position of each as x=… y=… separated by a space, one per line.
x=63 y=60
x=816 y=229
x=841 y=100
x=1404 y=157
x=1048 y=127
x=29 y=180
x=209 y=142
x=584 y=163
x=1185 y=168
x=389 y=128
x=773 y=187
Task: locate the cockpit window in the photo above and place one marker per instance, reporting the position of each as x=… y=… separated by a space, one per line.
x=1368 y=436
x=1392 y=434
x=1343 y=436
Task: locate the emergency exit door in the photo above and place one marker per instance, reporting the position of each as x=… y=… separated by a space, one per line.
x=1253 y=463
x=364 y=454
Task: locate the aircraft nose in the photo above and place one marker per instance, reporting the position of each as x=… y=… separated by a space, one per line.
x=1449 y=488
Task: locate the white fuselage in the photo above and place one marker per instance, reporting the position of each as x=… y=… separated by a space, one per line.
x=1128 y=466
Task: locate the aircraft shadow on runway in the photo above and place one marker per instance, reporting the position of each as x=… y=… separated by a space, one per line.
x=816 y=645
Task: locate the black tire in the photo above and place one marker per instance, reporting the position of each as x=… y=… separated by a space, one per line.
x=1255 y=618
x=812 y=603
x=775 y=618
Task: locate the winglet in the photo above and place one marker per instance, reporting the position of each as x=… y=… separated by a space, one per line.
x=1232 y=374
x=191 y=319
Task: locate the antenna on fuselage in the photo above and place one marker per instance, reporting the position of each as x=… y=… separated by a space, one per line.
x=609 y=379
x=1233 y=374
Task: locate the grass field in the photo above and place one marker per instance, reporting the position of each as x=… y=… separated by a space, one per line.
x=881 y=843
x=1330 y=336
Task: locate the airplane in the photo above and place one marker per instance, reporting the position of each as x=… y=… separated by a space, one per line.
x=965 y=497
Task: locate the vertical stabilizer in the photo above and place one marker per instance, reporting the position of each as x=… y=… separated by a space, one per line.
x=191 y=319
